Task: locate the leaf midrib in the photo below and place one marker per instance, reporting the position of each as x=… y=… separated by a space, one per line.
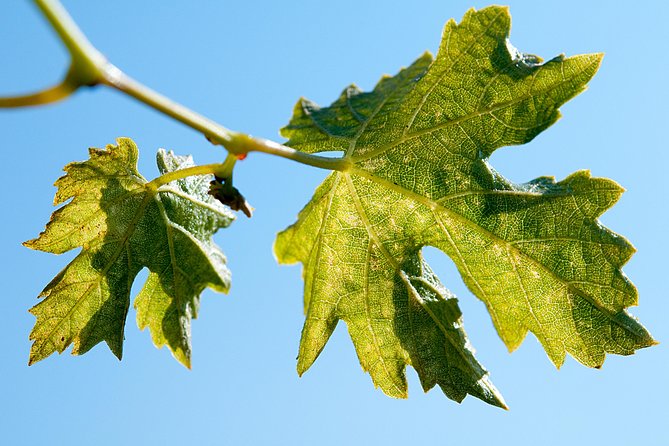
x=446 y=70
x=375 y=240
x=401 y=273
x=126 y=236
x=434 y=206
x=487 y=111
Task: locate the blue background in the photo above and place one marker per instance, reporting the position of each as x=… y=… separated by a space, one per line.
x=244 y=64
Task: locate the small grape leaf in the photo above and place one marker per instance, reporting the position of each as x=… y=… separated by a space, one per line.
x=124 y=224
x=417 y=175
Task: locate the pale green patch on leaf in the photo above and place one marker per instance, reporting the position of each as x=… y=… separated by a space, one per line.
x=417 y=145
x=123 y=224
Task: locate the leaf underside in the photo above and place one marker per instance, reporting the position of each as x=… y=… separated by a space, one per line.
x=123 y=225
x=418 y=144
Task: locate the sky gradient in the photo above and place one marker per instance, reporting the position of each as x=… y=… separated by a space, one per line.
x=245 y=64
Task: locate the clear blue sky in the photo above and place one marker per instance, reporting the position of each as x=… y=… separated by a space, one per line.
x=244 y=64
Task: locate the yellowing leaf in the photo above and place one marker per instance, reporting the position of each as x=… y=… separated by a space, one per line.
x=417 y=175
x=124 y=224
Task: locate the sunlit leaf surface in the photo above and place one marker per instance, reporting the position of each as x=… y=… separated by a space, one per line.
x=123 y=225
x=418 y=145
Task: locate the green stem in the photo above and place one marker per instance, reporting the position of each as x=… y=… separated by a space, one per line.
x=242 y=143
x=88 y=64
x=46 y=96
x=118 y=80
x=90 y=67
x=220 y=170
x=234 y=142
x=204 y=169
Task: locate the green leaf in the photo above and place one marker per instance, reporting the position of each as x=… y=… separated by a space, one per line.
x=124 y=224
x=417 y=147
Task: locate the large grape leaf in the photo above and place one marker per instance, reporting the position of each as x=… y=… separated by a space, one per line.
x=417 y=175
x=124 y=224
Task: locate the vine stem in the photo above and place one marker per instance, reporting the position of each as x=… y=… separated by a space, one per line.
x=42 y=97
x=88 y=67
x=220 y=170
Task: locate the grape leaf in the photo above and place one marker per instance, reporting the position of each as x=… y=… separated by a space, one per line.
x=124 y=224
x=417 y=175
